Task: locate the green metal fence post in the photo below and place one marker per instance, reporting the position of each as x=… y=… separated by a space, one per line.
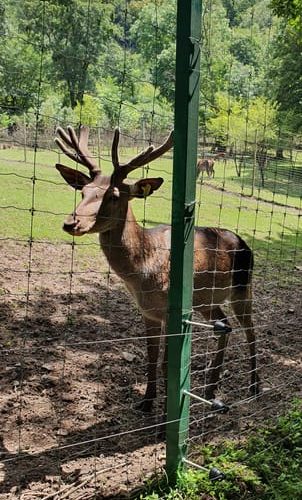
x=183 y=205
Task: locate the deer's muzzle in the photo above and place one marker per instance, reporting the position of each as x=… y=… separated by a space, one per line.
x=70 y=226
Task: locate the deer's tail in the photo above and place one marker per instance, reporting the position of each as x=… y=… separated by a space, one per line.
x=243 y=265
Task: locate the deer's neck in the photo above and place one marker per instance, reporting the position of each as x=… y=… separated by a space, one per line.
x=129 y=248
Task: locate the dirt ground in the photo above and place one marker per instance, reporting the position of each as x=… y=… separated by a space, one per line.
x=73 y=367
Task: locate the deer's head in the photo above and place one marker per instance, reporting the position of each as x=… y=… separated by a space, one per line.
x=104 y=199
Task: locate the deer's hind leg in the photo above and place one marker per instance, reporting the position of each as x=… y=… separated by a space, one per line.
x=242 y=306
x=216 y=314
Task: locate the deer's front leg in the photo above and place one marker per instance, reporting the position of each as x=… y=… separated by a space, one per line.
x=153 y=330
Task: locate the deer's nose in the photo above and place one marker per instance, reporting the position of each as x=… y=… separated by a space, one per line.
x=69 y=225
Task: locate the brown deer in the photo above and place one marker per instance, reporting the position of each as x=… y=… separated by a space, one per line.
x=207 y=165
x=141 y=256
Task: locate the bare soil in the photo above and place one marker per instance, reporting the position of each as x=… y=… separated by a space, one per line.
x=73 y=365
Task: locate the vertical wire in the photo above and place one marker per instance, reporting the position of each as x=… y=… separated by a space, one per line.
x=206 y=43
x=72 y=259
x=283 y=250
x=97 y=392
x=108 y=275
x=298 y=233
x=242 y=329
x=146 y=170
x=31 y=230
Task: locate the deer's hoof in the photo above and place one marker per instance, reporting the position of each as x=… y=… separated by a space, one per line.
x=145 y=405
x=255 y=390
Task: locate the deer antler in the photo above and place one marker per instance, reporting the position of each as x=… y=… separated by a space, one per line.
x=146 y=156
x=79 y=147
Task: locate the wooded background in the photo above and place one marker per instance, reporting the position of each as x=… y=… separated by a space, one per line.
x=251 y=57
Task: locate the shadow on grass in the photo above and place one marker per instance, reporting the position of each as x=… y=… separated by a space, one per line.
x=280 y=177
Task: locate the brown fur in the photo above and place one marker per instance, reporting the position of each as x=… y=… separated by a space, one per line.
x=207 y=165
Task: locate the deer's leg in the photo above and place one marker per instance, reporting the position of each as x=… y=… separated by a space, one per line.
x=153 y=330
x=242 y=307
x=215 y=368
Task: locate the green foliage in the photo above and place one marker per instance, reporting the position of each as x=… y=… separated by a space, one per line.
x=287 y=69
x=267 y=467
x=289 y=9
x=53 y=110
x=286 y=76
x=74 y=33
x=231 y=120
x=244 y=49
x=4 y=120
x=157 y=47
x=235 y=11
x=90 y=111
x=118 y=110
x=86 y=58
x=18 y=63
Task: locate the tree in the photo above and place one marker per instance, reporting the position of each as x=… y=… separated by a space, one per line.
x=286 y=73
x=289 y=9
x=243 y=120
x=19 y=76
x=74 y=33
x=153 y=35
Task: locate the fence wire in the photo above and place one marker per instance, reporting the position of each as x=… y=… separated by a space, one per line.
x=73 y=341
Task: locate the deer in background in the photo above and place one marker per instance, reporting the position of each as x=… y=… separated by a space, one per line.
x=207 y=165
x=141 y=256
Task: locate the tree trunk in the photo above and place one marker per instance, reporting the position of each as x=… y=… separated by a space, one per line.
x=279 y=154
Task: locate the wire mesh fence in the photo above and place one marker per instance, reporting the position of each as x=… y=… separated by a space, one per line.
x=74 y=357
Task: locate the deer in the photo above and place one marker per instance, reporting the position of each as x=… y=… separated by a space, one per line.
x=140 y=256
x=207 y=165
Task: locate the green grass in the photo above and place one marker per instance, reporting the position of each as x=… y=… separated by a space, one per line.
x=267 y=466
x=271 y=229
x=282 y=180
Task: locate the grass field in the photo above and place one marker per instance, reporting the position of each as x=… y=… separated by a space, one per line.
x=269 y=220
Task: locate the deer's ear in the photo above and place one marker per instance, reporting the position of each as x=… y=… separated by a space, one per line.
x=74 y=178
x=145 y=187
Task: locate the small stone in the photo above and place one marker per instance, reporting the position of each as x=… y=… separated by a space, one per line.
x=62 y=432
x=47 y=367
x=128 y=356
x=49 y=381
x=67 y=397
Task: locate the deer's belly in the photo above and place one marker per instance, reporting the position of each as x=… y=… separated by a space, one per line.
x=151 y=301
x=211 y=289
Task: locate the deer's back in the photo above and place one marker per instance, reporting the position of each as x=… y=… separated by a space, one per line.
x=222 y=260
